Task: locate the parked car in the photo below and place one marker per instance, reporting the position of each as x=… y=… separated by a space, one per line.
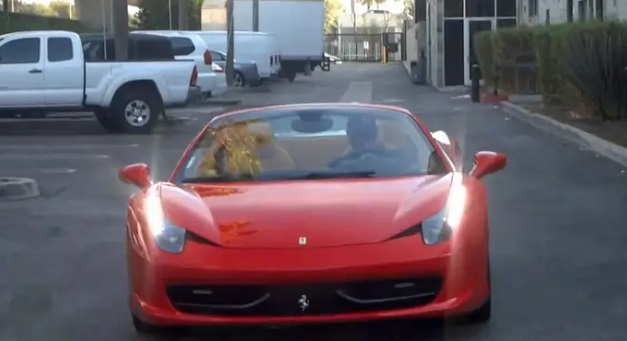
x=333 y=59
x=249 y=46
x=48 y=71
x=246 y=73
x=140 y=47
x=211 y=77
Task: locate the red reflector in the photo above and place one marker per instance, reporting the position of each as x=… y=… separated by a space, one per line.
x=194 y=78
x=207 y=56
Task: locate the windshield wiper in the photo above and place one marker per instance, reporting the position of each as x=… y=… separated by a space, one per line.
x=219 y=178
x=330 y=175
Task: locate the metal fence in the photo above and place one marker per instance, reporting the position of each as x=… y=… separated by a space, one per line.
x=365 y=47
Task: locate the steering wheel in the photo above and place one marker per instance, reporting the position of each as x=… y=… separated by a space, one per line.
x=355 y=156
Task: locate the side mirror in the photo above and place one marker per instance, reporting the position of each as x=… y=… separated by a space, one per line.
x=136 y=174
x=488 y=163
x=451 y=148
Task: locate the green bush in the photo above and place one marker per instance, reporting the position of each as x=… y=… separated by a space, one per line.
x=483 y=51
x=14 y=22
x=593 y=59
x=580 y=64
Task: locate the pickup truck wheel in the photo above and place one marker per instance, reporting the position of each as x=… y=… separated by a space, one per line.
x=136 y=110
x=238 y=80
x=104 y=117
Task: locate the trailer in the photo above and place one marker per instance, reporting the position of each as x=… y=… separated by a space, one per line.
x=298 y=27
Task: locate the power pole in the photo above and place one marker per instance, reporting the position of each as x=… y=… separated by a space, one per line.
x=170 y=15
x=230 y=43
x=256 y=15
x=120 y=28
x=183 y=15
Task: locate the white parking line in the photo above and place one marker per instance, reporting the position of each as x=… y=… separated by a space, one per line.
x=12 y=156
x=392 y=100
x=358 y=92
x=57 y=170
x=13 y=147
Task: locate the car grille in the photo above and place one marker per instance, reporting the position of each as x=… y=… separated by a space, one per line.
x=289 y=300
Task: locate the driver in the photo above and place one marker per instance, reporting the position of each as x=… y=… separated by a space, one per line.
x=362 y=133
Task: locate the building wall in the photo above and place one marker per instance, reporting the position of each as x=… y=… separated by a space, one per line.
x=556 y=11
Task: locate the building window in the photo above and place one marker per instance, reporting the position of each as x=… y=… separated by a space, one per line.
x=453 y=8
x=569 y=10
x=600 y=10
x=532 y=7
x=480 y=8
x=581 y=10
x=506 y=8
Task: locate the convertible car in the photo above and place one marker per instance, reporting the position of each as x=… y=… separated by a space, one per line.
x=310 y=213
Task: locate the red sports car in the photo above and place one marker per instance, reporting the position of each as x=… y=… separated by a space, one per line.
x=310 y=213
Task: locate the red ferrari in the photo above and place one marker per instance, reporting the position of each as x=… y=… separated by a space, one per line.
x=310 y=213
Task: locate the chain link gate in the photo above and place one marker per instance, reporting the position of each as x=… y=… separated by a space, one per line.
x=365 y=47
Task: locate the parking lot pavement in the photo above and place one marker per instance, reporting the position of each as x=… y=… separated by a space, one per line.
x=557 y=218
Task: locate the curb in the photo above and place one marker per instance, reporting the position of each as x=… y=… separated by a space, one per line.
x=577 y=136
x=220 y=101
x=18 y=188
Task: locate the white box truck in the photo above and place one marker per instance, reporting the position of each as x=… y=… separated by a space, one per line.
x=298 y=27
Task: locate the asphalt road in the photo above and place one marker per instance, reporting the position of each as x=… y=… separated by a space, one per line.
x=558 y=223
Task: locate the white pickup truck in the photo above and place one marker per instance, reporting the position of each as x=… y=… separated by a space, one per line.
x=46 y=71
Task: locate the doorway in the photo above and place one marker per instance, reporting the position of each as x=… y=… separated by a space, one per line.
x=472 y=27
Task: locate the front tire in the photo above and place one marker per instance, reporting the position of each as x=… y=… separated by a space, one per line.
x=142 y=327
x=105 y=119
x=136 y=110
x=484 y=312
x=145 y=328
x=238 y=80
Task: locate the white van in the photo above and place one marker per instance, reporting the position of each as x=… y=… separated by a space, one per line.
x=260 y=47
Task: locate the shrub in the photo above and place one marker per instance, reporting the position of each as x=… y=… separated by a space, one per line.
x=29 y=22
x=581 y=64
x=593 y=60
x=484 y=52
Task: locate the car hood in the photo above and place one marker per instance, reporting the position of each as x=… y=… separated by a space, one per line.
x=297 y=214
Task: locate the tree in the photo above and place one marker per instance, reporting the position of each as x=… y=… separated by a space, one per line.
x=372 y=3
x=408 y=9
x=332 y=10
x=34 y=8
x=62 y=9
x=154 y=14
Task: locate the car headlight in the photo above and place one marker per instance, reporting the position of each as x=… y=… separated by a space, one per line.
x=435 y=229
x=440 y=226
x=168 y=237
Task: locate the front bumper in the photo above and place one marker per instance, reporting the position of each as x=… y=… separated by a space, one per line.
x=464 y=284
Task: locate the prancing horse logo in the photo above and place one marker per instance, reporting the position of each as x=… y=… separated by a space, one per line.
x=303 y=302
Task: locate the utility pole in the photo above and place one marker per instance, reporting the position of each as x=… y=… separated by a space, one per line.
x=120 y=28
x=255 y=15
x=230 y=43
x=170 y=14
x=183 y=15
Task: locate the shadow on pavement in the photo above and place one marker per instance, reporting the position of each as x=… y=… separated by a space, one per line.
x=389 y=331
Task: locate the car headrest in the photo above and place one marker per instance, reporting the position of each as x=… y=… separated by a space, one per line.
x=263 y=132
x=391 y=133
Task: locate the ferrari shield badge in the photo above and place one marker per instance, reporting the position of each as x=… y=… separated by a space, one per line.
x=302 y=241
x=303 y=302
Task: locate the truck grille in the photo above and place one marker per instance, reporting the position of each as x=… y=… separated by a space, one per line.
x=289 y=300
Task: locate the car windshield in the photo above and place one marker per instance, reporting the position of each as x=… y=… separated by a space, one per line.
x=311 y=143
